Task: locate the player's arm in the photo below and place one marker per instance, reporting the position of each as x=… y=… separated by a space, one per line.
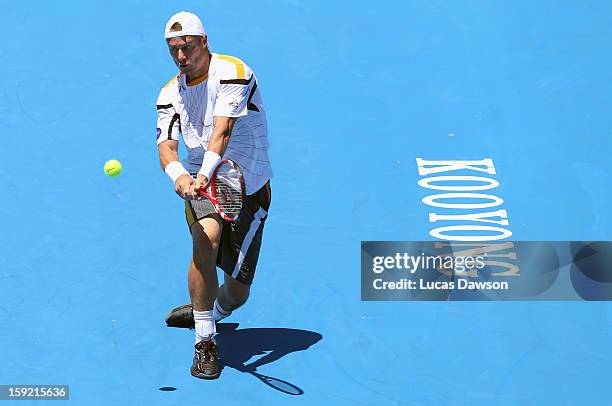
x=168 y=132
x=168 y=152
x=169 y=161
x=222 y=130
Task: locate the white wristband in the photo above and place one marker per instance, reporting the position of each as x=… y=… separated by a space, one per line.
x=211 y=159
x=174 y=170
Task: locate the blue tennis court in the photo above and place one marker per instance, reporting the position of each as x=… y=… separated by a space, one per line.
x=355 y=92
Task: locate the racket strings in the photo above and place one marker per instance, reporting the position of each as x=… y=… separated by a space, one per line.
x=228 y=190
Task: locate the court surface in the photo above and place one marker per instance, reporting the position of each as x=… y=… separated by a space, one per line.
x=355 y=91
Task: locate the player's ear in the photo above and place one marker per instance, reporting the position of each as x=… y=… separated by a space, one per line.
x=205 y=40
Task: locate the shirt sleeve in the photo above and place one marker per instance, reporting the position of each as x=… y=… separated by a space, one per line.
x=233 y=97
x=168 y=123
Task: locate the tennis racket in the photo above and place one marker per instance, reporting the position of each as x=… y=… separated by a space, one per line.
x=225 y=190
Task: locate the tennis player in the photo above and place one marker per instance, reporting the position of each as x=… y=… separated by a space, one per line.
x=214 y=103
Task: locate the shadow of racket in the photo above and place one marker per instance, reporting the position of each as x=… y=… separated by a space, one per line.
x=278 y=384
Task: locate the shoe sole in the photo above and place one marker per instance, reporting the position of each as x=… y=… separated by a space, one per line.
x=207 y=377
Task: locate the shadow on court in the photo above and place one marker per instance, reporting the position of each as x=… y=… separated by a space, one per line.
x=238 y=346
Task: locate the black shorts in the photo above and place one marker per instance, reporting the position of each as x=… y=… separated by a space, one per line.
x=240 y=241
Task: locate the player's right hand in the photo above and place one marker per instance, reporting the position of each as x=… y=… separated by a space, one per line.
x=184 y=187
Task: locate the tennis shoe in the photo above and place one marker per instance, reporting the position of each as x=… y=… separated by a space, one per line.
x=206 y=360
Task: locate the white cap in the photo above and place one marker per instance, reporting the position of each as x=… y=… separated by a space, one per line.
x=188 y=24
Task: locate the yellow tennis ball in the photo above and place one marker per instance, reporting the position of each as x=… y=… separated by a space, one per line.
x=112 y=168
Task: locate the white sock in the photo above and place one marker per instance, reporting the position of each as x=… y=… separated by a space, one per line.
x=204 y=325
x=219 y=313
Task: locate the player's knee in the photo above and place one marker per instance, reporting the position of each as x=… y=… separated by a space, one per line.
x=204 y=251
x=205 y=247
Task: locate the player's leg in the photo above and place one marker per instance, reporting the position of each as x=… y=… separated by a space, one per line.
x=202 y=279
x=239 y=253
x=203 y=286
x=230 y=296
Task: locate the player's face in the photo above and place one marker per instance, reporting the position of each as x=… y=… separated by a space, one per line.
x=189 y=54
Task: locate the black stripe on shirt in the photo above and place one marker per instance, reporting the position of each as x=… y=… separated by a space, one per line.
x=174 y=118
x=252 y=106
x=163 y=106
x=236 y=81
